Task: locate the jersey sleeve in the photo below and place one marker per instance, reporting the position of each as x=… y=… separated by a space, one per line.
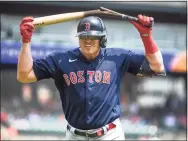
x=132 y=62
x=46 y=67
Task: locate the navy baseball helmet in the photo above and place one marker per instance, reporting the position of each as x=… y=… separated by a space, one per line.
x=93 y=26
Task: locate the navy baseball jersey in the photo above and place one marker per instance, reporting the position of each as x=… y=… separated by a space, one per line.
x=89 y=90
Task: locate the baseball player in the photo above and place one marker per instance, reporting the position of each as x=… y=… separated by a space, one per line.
x=88 y=77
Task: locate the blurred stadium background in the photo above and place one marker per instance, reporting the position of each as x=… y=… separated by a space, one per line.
x=152 y=108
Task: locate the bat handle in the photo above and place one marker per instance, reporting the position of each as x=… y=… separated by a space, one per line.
x=130 y=18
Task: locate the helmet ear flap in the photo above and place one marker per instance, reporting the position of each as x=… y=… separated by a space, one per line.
x=103 y=41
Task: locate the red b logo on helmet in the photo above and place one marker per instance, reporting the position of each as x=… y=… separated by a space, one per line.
x=87 y=26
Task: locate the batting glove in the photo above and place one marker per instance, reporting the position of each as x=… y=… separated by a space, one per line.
x=143 y=25
x=26 y=29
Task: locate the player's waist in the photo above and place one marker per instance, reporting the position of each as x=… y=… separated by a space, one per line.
x=88 y=120
x=94 y=132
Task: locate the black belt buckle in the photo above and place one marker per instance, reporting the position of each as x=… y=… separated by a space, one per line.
x=90 y=135
x=86 y=134
x=93 y=135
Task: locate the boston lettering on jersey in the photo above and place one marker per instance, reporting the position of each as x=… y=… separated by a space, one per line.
x=94 y=76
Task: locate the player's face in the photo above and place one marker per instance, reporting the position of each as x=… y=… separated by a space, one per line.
x=89 y=46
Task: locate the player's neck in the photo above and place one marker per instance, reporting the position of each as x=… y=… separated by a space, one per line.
x=91 y=56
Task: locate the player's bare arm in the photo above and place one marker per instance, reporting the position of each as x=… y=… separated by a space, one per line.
x=156 y=61
x=25 y=72
x=152 y=53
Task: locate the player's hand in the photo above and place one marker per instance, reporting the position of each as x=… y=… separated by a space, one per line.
x=26 y=29
x=142 y=25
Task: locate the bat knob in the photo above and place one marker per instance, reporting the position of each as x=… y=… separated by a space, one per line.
x=151 y=24
x=148 y=26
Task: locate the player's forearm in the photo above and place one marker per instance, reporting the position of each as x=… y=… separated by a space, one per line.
x=152 y=53
x=156 y=61
x=25 y=61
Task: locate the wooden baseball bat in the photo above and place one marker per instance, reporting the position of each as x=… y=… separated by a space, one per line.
x=58 y=18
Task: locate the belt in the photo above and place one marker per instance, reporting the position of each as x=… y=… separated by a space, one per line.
x=99 y=132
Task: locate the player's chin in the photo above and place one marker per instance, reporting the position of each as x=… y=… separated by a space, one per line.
x=89 y=52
